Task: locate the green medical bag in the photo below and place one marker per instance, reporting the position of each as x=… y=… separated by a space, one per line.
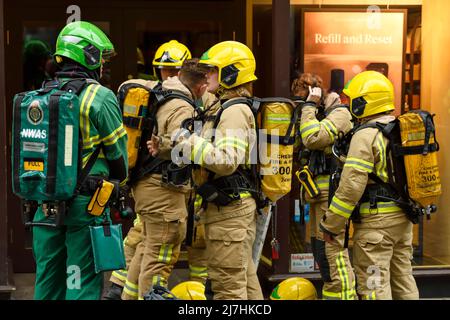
x=107 y=247
x=46 y=141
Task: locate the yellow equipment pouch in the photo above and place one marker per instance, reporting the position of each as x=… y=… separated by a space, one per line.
x=306 y=179
x=100 y=199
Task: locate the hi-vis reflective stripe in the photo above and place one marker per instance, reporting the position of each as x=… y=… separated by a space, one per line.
x=309 y=128
x=414 y=136
x=120 y=275
x=165 y=253
x=371 y=296
x=382 y=207
x=232 y=142
x=327 y=295
x=323 y=182
x=86 y=103
x=359 y=164
x=341 y=208
x=198 y=272
x=245 y=195
x=347 y=290
x=159 y=281
x=91 y=142
x=278 y=118
x=131 y=289
x=330 y=128
x=201 y=148
x=83 y=119
x=381 y=167
x=114 y=136
x=86 y=158
x=198 y=202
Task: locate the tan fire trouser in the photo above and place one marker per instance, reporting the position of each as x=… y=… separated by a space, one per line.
x=130 y=290
x=163 y=215
x=162 y=243
x=130 y=244
x=382 y=259
x=196 y=257
x=230 y=265
x=198 y=261
x=333 y=260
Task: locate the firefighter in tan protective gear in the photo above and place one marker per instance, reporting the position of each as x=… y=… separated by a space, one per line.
x=319 y=127
x=230 y=223
x=162 y=207
x=168 y=60
x=167 y=63
x=382 y=237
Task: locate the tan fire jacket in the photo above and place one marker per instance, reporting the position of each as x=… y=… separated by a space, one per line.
x=150 y=197
x=230 y=148
x=367 y=154
x=171 y=115
x=320 y=135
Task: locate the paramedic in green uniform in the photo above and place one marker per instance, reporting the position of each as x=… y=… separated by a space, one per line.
x=64 y=259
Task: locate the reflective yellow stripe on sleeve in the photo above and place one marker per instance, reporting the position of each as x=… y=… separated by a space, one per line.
x=232 y=142
x=359 y=164
x=114 y=136
x=341 y=208
x=201 y=148
x=309 y=128
x=330 y=128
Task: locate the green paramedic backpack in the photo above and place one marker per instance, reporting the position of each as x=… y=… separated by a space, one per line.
x=46 y=153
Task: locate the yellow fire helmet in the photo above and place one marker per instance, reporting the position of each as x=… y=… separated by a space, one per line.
x=294 y=288
x=171 y=55
x=235 y=62
x=370 y=93
x=189 y=290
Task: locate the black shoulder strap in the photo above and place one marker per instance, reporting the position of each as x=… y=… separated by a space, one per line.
x=77 y=85
x=84 y=173
x=430 y=129
x=163 y=96
x=121 y=94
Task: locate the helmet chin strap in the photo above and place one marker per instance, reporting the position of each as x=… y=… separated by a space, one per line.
x=220 y=91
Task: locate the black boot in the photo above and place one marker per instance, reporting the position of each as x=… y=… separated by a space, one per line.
x=114 y=292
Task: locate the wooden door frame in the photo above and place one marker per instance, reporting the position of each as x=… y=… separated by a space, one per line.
x=18 y=242
x=5 y=268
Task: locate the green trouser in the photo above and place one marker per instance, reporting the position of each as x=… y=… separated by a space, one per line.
x=64 y=259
